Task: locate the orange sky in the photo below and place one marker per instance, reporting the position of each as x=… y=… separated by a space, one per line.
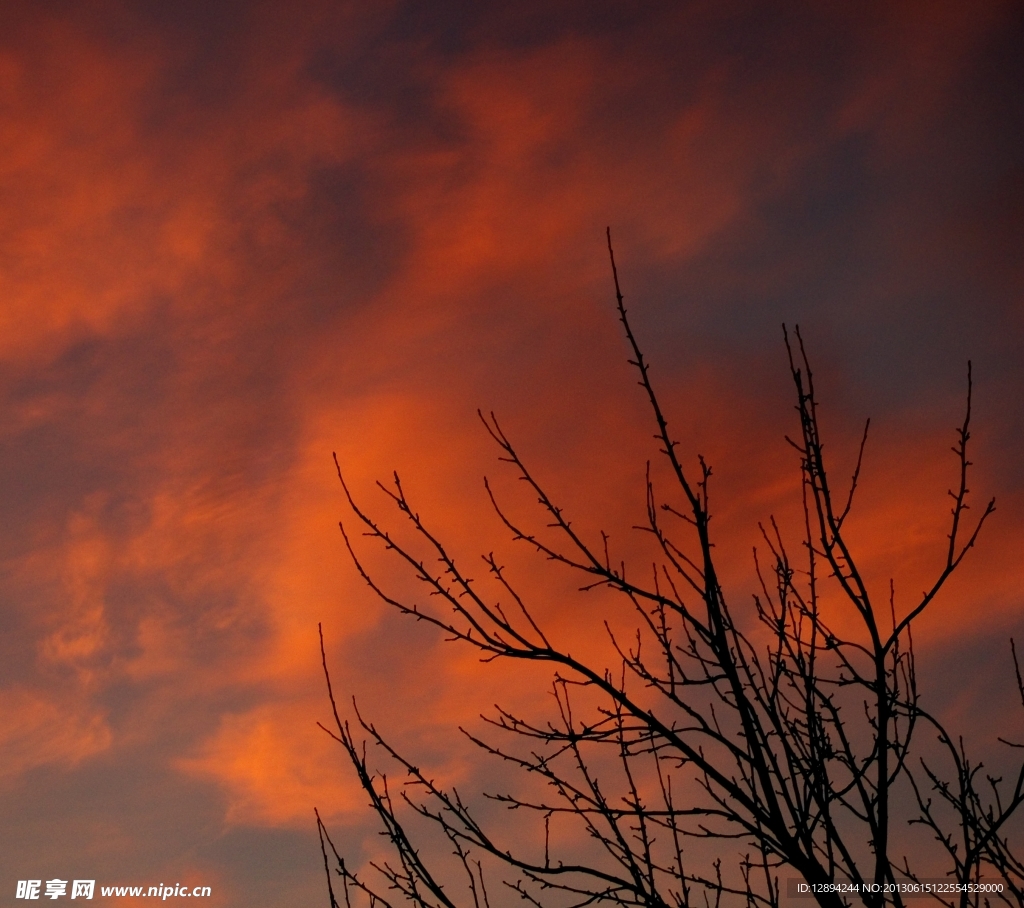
x=238 y=236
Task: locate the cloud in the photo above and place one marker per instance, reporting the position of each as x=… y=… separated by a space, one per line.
x=275 y=769
x=37 y=731
x=234 y=241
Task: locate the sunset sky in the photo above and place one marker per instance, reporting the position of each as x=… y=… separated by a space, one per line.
x=238 y=236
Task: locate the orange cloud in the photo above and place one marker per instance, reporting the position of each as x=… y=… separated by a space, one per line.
x=225 y=255
x=37 y=731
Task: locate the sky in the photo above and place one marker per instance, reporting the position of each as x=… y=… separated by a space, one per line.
x=236 y=237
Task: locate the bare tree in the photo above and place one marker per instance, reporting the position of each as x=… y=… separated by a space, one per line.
x=729 y=750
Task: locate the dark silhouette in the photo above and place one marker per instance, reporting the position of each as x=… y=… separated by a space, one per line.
x=722 y=760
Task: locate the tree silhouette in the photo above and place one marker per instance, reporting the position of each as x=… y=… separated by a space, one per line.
x=721 y=757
